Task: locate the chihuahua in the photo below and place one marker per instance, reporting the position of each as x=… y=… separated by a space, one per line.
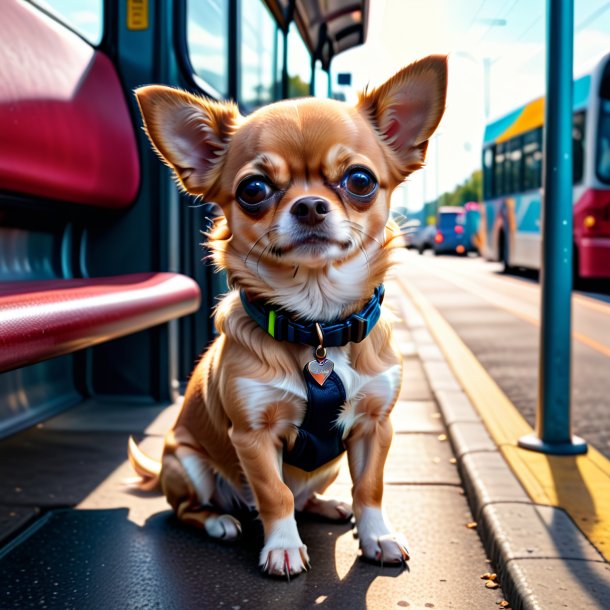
x=304 y=368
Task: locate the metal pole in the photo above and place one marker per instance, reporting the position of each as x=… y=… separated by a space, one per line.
x=487 y=84
x=312 y=82
x=289 y=15
x=553 y=427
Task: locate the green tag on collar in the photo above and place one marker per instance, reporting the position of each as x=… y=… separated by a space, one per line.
x=271 y=323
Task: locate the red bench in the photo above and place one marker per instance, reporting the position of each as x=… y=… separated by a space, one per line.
x=44 y=319
x=68 y=137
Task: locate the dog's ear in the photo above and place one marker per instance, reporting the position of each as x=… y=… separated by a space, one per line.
x=190 y=133
x=407 y=108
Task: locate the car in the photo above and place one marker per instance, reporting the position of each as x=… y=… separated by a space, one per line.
x=451 y=237
x=423 y=238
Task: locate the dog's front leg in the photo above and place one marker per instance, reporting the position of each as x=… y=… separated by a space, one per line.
x=367 y=450
x=259 y=452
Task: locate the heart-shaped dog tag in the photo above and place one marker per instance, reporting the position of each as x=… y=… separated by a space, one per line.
x=320 y=370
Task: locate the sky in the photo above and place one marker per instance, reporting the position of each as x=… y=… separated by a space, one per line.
x=508 y=35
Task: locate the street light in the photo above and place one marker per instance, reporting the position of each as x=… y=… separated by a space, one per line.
x=487 y=62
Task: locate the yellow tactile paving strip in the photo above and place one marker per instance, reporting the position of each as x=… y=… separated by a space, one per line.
x=580 y=485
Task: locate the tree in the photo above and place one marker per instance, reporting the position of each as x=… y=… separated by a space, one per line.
x=469 y=190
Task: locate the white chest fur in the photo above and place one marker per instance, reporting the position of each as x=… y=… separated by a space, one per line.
x=258 y=395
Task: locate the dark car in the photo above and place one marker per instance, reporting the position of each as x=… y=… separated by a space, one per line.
x=451 y=237
x=423 y=238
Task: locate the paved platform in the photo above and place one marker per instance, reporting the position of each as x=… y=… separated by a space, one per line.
x=545 y=556
x=81 y=539
x=75 y=536
x=497 y=317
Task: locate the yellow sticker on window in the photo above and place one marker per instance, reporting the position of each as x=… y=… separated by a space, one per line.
x=137 y=14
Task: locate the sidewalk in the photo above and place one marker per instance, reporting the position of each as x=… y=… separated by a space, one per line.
x=119 y=549
x=543 y=559
x=124 y=550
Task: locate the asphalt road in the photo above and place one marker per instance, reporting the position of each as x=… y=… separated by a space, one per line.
x=498 y=317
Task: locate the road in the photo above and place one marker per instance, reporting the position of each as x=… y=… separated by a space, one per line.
x=498 y=317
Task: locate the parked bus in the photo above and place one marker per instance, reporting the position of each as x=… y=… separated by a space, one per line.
x=512 y=180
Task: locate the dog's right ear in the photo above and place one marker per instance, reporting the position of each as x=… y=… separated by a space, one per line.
x=190 y=133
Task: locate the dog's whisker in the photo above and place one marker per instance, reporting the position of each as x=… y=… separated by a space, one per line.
x=254 y=246
x=361 y=241
x=360 y=229
x=258 y=260
x=360 y=245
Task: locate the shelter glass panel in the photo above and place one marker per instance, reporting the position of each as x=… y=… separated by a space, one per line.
x=258 y=83
x=299 y=64
x=321 y=81
x=85 y=17
x=208 y=42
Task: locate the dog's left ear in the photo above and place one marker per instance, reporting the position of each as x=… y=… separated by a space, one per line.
x=407 y=108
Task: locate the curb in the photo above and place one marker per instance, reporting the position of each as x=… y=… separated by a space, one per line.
x=543 y=559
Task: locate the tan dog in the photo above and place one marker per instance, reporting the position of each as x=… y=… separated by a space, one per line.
x=304 y=186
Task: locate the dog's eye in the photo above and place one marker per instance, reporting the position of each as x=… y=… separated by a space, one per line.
x=360 y=183
x=253 y=191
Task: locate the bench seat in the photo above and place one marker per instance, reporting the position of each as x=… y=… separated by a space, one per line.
x=48 y=318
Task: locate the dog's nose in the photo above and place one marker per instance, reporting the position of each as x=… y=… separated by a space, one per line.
x=310 y=210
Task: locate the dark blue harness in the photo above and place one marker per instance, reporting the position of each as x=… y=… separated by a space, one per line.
x=319 y=439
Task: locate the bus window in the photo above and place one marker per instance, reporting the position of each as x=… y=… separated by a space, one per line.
x=84 y=17
x=258 y=82
x=512 y=170
x=208 y=42
x=578 y=146
x=603 y=143
x=299 y=64
x=499 y=185
x=488 y=168
x=532 y=159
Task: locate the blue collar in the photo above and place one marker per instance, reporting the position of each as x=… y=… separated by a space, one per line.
x=282 y=327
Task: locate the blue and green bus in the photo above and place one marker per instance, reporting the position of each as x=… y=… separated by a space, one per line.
x=512 y=180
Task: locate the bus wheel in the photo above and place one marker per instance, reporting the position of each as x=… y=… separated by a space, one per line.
x=504 y=253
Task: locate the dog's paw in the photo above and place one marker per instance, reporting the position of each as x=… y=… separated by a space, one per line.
x=377 y=540
x=284 y=554
x=223 y=527
x=286 y=562
x=386 y=549
x=334 y=510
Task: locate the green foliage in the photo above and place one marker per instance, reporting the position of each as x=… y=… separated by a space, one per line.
x=469 y=190
x=297 y=87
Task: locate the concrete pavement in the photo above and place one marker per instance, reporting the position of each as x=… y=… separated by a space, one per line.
x=118 y=549
x=543 y=559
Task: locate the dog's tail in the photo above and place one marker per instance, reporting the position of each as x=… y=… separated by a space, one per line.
x=148 y=470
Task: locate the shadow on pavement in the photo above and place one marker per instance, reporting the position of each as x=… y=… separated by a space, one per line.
x=99 y=558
